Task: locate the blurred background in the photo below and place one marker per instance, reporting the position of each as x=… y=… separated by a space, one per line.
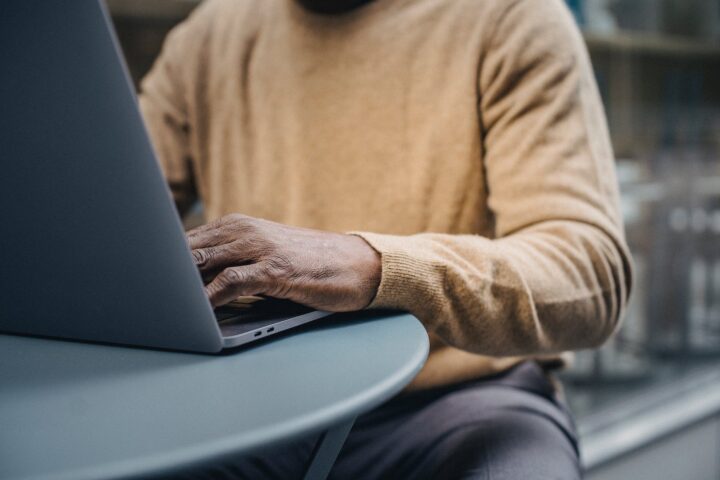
x=648 y=403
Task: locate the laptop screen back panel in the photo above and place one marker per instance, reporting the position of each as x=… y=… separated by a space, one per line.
x=91 y=247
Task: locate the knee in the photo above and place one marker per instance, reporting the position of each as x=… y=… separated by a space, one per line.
x=510 y=444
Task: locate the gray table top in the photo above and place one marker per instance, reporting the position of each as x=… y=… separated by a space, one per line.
x=74 y=410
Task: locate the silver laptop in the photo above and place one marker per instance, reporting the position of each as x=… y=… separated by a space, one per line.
x=91 y=246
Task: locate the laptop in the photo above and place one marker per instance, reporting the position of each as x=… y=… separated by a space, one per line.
x=91 y=246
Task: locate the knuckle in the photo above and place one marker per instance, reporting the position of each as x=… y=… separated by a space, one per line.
x=239 y=225
x=232 y=276
x=201 y=256
x=217 y=223
x=268 y=275
x=278 y=268
x=237 y=218
x=276 y=284
x=262 y=248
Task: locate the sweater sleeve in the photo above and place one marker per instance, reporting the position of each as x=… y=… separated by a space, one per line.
x=557 y=274
x=165 y=103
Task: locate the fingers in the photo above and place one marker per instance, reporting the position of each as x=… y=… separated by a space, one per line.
x=212 y=259
x=218 y=232
x=239 y=252
x=237 y=281
x=207 y=236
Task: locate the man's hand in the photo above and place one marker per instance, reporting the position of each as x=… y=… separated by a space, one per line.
x=240 y=255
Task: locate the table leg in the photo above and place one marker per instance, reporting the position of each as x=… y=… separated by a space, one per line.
x=326 y=450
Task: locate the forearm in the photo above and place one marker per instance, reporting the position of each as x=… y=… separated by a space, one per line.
x=559 y=285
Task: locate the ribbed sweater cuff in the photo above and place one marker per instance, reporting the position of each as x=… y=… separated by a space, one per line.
x=408 y=282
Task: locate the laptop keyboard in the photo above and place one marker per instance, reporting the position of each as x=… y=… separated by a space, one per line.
x=234 y=320
x=223 y=314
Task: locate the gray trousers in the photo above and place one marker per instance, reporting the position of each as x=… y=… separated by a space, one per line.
x=508 y=427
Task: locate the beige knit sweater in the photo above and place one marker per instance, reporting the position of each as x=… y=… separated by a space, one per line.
x=463 y=139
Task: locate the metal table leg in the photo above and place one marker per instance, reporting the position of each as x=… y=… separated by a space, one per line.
x=326 y=450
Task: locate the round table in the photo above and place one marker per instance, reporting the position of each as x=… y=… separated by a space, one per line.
x=72 y=410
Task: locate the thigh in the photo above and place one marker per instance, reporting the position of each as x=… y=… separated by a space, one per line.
x=482 y=431
x=516 y=436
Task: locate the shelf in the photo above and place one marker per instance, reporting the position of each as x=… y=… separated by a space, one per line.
x=654 y=44
x=635 y=417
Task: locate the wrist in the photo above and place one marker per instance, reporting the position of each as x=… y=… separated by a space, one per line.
x=368 y=267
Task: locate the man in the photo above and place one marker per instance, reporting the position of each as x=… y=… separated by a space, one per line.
x=463 y=145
